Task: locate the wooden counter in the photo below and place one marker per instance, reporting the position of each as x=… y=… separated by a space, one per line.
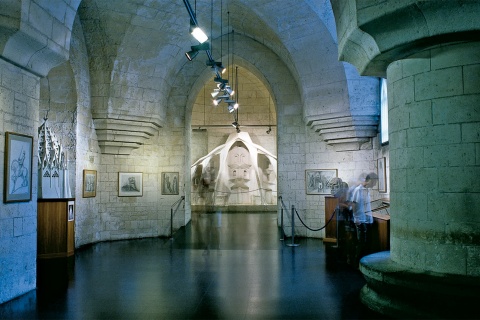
x=55 y=228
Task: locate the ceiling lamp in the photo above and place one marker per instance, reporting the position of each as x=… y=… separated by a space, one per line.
x=231 y=108
x=229 y=90
x=197 y=33
x=191 y=54
x=215 y=93
x=195 y=49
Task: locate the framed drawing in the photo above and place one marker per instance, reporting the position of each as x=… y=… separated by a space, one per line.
x=89 y=183
x=382 y=175
x=71 y=210
x=18 y=167
x=317 y=181
x=130 y=184
x=169 y=183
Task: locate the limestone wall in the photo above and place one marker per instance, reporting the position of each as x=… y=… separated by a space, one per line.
x=19 y=92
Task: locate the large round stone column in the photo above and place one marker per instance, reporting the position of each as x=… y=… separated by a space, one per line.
x=434 y=121
x=433 y=267
x=430 y=54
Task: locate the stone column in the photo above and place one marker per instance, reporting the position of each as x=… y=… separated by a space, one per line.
x=430 y=54
x=434 y=118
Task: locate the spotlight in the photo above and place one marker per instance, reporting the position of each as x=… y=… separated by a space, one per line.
x=229 y=90
x=215 y=93
x=236 y=105
x=198 y=33
x=235 y=124
x=195 y=49
x=219 y=80
x=217 y=67
x=191 y=54
x=231 y=108
x=217 y=101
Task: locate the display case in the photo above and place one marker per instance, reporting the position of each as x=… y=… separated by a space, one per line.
x=55 y=228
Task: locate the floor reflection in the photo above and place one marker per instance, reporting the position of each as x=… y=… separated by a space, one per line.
x=221 y=266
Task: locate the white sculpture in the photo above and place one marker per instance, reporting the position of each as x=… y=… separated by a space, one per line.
x=231 y=175
x=53 y=179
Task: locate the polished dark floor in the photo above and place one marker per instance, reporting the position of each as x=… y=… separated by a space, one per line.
x=230 y=266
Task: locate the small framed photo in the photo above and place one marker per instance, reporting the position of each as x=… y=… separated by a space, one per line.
x=71 y=210
x=170 y=183
x=130 y=184
x=89 y=183
x=317 y=181
x=18 y=167
x=382 y=175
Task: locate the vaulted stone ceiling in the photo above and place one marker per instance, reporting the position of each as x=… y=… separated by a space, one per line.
x=138 y=69
x=136 y=51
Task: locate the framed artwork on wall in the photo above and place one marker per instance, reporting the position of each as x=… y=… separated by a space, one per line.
x=382 y=175
x=89 y=183
x=130 y=184
x=317 y=180
x=170 y=183
x=18 y=167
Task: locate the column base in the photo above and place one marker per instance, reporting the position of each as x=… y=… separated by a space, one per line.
x=400 y=292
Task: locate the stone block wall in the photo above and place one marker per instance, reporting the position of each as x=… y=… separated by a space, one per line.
x=87 y=220
x=19 y=92
x=435 y=164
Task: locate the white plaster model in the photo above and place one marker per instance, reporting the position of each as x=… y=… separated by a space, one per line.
x=52 y=165
x=234 y=174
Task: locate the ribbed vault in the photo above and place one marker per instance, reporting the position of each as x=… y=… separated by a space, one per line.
x=136 y=50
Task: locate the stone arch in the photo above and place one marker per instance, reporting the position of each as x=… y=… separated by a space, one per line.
x=264 y=64
x=40 y=31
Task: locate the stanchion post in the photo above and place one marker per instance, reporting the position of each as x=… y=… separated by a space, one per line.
x=281 y=222
x=171 y=223
x=293 y=244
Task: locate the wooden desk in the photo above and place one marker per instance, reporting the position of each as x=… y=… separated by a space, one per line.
x=380 y=233
x=55 y=228
x=331 y=204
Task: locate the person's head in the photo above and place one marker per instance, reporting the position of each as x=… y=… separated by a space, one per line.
x=370 y=180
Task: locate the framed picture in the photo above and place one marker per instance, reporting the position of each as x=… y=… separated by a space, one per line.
x=18 y=167
x=71 y=210
x=89 y=183
x=130 y=184
x=382 y=175
x=169 y=183
x=317 y=181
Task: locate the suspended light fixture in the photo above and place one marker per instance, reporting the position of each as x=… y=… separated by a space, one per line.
x=231 y=108
x=229 y=90
x=197 y=33
x=195 y=49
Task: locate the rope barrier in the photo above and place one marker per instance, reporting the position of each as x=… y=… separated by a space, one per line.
x=326 y=224
x=319 y=229
x=229 y=192
x=177 y=203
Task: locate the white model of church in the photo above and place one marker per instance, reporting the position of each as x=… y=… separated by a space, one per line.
x=238 y=172
x=53 y=179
